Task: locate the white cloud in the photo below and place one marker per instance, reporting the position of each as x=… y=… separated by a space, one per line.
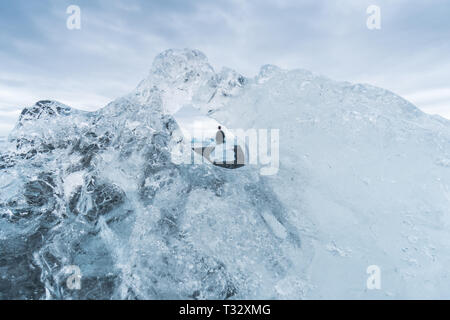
x=114 y=50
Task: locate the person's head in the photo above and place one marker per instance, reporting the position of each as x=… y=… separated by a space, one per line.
x=220 y=128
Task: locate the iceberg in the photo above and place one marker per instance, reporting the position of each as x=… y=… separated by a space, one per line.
x=363 y=180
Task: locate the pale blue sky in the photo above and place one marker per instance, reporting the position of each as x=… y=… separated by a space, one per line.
x=41 y=59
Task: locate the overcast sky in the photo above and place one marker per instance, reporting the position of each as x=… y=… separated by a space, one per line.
x=41 y=59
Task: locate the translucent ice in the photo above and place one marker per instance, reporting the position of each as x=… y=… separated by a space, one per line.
x=362 y=181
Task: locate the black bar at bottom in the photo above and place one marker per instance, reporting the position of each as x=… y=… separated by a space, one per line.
x=233 y=309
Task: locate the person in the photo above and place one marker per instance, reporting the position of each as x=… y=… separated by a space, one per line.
x=220 y=136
